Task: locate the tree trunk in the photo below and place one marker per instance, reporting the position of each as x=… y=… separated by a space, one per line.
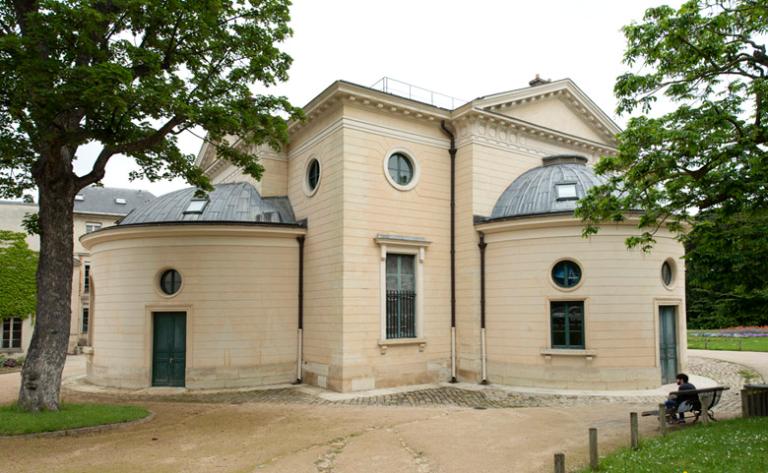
x=41 y=375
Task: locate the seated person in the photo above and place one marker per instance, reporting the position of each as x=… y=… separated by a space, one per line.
x=682 y=402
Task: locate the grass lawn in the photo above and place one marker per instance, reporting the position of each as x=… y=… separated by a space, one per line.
x=14 y=421
x=728 y=343
x=732 y=445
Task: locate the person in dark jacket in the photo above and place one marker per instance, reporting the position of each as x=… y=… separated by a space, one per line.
x=682 y=403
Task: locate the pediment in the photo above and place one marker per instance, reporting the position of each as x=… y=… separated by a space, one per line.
x=560 y=106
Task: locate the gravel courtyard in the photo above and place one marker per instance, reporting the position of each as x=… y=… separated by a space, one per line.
x=439 y=429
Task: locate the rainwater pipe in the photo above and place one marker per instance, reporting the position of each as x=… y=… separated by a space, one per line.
x=452 y=153
x=300 y=330
x=483 y=351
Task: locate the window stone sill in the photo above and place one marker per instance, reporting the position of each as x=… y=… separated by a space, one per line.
x=384 y=344
x=548 y=353
x=10 y=350
x=87 y=350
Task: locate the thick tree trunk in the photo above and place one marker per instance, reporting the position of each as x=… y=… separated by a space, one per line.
x=41 y=375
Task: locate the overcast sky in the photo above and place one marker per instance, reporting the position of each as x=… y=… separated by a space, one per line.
x=461 y=49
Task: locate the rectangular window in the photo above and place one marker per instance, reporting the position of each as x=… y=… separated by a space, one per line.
x=92 y=226
x=85 y=320
x=11 y=333
x=401 y=296
x=87 y=277
x=566 y=191
x=567 y=324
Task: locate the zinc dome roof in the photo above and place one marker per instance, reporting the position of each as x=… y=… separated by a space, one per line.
x=553 y=187
x=237 y=202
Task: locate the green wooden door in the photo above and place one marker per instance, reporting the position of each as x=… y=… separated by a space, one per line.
x=169 y=348
x=668 y=343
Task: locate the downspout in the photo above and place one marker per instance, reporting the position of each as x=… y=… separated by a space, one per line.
x=452 y=153
x=300 y=330
x=483 y=351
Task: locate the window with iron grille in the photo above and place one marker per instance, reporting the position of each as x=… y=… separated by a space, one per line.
x=11 y=333
x=86 y=277
x=401 y=296
x=86 y=317
x=567 y=324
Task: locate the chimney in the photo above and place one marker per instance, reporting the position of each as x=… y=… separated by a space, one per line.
x=539 y=81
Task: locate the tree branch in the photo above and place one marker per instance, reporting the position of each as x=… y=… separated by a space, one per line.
x=99 y=167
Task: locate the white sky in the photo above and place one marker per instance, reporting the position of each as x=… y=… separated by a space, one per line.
x=461 y=49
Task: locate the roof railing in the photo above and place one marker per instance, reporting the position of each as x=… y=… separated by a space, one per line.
x=419 y=94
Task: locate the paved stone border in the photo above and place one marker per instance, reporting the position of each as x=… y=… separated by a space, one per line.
x=83 y=430
x=445 y=395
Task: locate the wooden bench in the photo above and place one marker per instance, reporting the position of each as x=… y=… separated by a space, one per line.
x=708 y=397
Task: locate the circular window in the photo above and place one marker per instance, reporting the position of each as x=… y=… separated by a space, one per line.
x=313 y=175
x=170 y=282
x=566 y=274
x=667 y=273
x=400 y=169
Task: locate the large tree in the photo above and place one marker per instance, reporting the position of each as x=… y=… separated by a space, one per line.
x=704 y=164
x=130 y=75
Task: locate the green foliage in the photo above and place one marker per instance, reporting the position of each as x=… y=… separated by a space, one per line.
x=17 y=278
x=132 y=75
x=14 y=421
x=728 y=343
x=710 y=153
x=31 y=223
x=732 y=445
x=703 y=165
x=727 y=284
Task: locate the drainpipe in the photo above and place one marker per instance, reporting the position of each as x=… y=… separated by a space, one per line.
x=483 y=351
x=452 y=153
x=300 y=331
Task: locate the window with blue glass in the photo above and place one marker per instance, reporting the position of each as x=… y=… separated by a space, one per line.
x=567 y=324
x=566 y=274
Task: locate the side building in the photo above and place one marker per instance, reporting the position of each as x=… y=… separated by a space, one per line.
x=94 y=208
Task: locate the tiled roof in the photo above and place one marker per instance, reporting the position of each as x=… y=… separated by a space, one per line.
x=110 y=200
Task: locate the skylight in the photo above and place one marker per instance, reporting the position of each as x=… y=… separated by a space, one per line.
x=566 y=192
x=196 y=206
x=79 y=198
x=120 y=200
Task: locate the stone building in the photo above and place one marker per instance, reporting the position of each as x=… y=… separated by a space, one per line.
x=393 y=242
x=94 y=208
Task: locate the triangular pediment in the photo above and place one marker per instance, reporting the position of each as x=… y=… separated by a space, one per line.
x=558 y=105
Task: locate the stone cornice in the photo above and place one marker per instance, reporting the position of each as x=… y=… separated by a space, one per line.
x=502 y=130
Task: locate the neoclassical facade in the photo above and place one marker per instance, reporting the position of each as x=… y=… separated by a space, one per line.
x=393 y=242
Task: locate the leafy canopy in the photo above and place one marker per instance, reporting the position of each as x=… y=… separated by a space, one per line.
x=707 y=158
x=132 y=75
x=17 y=278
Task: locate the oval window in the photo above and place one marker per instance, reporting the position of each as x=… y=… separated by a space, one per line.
x=400 y=169
x=566 y=274
x=666 y=273
x=313 y=175
x=170 y=282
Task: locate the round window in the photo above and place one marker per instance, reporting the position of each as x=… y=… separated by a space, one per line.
x=400 y=169
x=566 y=274
x=666 y=273
x=170 y=282
x=313 y=175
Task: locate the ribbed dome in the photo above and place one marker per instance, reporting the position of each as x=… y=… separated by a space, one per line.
x=233 y=202
x=536 y=191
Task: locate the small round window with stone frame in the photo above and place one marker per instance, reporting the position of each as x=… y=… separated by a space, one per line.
x=170 y=282
x=667 y=274
x=313 y=175
x=566 y=274
x=400 y=169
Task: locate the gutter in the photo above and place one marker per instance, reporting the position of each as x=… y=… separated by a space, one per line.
x=300 y=330
x=452 y=153
x=483 y=351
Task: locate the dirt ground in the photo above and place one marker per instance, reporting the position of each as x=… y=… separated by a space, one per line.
x=275 y=437
x=187 y=437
